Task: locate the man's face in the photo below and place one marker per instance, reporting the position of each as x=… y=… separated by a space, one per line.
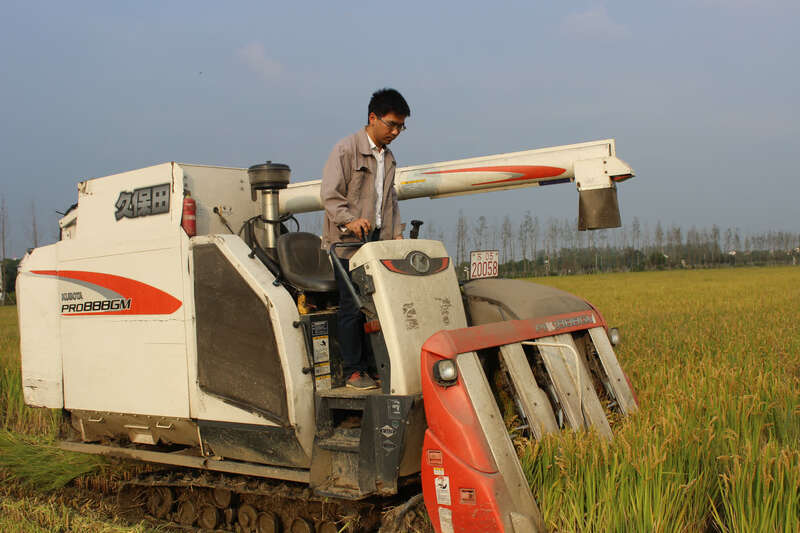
x=386 y=128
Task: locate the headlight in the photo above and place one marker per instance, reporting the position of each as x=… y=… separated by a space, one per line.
x=613 y=336
x=445 y=372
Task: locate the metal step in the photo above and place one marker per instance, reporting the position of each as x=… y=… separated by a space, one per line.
x=342 y=440
x=346 y=398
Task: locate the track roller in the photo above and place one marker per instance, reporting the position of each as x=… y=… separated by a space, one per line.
x=208 y=516
x=187 y=513
x=327 y=527
x=301 y=525
x=267 y=523
x=221 y=498
x=159 y=501
x=247 y=517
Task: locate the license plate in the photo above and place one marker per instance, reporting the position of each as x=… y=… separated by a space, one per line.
x=483 y=264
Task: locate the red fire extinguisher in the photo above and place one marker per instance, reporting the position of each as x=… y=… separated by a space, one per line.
x=188 y=220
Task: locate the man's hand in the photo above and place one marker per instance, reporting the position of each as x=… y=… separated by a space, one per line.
x=358 y=227
x=398 y=237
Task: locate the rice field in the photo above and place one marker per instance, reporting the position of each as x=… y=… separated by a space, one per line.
x=714 y=357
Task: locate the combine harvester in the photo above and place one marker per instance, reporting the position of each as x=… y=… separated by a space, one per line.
x=169 y=338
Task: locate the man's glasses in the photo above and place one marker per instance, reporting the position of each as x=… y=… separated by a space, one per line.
x=393 y=125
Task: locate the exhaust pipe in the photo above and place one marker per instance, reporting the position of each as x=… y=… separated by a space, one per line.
x=269 y=178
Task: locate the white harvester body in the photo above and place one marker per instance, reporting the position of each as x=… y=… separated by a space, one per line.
x=212 y=343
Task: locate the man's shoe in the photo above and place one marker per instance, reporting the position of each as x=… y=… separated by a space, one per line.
x=361 y=381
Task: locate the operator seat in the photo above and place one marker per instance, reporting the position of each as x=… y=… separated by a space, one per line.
x=304 y=264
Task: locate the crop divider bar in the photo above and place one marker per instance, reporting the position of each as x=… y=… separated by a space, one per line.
x=573 y=383
x=501 y=447
x=564 y=384
x=616 y=377
x=535 y=404
x=592 y=408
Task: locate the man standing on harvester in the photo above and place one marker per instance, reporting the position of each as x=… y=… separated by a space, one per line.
x=361 y=204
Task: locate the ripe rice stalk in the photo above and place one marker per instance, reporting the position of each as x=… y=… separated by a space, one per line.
x=715 y=360
x=760 y=491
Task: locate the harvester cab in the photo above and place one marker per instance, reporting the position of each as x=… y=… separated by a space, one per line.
x=230 y=365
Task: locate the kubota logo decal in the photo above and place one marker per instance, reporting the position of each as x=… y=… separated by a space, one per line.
x=116 y=295
x=567 y=322
x=142 y=202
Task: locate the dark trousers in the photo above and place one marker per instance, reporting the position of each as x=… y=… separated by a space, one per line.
x=353 y=344
x=351 y=327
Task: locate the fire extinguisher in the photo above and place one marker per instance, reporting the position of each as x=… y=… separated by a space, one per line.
x=188 y=220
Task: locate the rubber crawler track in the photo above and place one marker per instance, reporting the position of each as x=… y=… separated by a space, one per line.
x=209 y=501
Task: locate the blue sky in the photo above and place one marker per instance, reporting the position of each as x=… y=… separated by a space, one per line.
x=702 y=96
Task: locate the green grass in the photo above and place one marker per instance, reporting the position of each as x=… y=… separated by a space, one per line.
x=41 y=464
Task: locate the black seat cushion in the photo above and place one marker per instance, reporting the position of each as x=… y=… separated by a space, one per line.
x=304 y=263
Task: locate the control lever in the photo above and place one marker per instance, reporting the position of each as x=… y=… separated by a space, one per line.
x=415 y=224
x=337 y=264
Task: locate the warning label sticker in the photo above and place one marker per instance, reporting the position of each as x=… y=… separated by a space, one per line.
x=321 y=349
x=322 y=368
x=323 y=382
x=438 y=471
x=442 y=484
x=445 y=520
x=319 y=327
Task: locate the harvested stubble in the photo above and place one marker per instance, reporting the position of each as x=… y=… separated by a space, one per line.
x=714 y=356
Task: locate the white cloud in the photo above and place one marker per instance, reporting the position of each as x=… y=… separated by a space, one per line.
x=257 y=61
x=593 y=23
x=746 y=4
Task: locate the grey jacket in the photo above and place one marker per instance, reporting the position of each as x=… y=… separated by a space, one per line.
x=348 y=191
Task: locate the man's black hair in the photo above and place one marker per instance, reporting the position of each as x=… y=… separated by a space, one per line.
x=388 y=101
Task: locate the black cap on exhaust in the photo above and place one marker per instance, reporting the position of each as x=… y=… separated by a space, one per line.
x=598 y=209
x=268 y=176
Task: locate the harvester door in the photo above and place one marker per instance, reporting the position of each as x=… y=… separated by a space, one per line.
x=616 y=377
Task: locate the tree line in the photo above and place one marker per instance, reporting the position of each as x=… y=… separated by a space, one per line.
x=535 y=247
